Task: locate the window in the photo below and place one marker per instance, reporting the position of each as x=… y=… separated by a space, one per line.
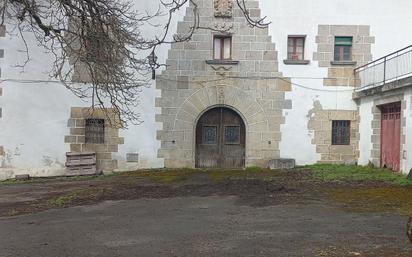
x=222 y=48
x=232 y=135
x=209 y=135
x=343 y=48
x=340 y=132
x=94 y=131
x=296 y=48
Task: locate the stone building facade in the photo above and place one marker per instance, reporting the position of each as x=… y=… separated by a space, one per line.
x=224 y=93
x=194 y=82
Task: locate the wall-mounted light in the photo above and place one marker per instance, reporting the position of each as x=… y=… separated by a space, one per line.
x=153 y=63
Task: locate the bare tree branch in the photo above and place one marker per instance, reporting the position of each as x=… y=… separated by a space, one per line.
x=100 y=43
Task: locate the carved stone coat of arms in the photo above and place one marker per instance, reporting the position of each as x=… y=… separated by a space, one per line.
x=223 y=8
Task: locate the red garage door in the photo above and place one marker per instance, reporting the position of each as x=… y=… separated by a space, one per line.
x=391 y=136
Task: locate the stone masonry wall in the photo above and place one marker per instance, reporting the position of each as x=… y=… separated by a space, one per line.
x=104 y=151
x=320 y=122
x=341 y=74
x=190 y=86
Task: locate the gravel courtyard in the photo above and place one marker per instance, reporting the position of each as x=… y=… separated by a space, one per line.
x=301 y=212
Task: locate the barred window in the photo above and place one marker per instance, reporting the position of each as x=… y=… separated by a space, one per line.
x=232 y=135
x=209 y=135
x=94 y=131
x=340 y=132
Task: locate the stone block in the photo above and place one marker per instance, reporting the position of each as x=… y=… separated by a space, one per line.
x=71 y=123
x=103 y=156
x=364 y=30
x=324 y=30
x=70 y=139
x=342 y=115
x=77 y=131
x=75 y=148
x=344 y=30
x=342 y=149
x=1 y=53
x=318 y=56
x=325 y=48
x=280 y=164
x=269 y=55
x=76 y=112
x=322 y=148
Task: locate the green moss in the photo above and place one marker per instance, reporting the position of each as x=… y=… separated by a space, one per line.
x=345 y=173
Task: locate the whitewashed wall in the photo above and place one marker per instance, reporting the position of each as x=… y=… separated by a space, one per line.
x=35 y=115
x=296 y=17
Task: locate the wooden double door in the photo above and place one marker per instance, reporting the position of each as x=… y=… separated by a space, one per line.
x=220 y=139
x=391 y=136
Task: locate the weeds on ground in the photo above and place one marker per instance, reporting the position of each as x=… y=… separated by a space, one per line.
x=347 y=173
x=76 y=195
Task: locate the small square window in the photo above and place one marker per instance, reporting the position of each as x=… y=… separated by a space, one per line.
x=340 y=132
x=296 y=48
x=94 y=131
x=343 y=49
x=209 y=135
x=232 y=135
x=222 y=47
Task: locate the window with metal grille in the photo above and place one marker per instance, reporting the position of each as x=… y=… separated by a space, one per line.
x=343 y=48
x=340 y=132
x=296 y=48
x=232 y=135
x=222 y=47
x=209 y=135
x=94 y=131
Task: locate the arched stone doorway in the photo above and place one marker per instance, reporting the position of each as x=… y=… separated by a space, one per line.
x=220 y=139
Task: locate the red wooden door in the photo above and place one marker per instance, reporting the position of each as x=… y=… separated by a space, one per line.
x=391 y=136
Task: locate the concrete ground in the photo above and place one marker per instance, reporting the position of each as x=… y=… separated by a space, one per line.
x=212 y=224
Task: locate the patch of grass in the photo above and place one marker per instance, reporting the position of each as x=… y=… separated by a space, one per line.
x=76 y=195
x=347 y=173
x=254 y=169
x=66 y=198
x=386 y=199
